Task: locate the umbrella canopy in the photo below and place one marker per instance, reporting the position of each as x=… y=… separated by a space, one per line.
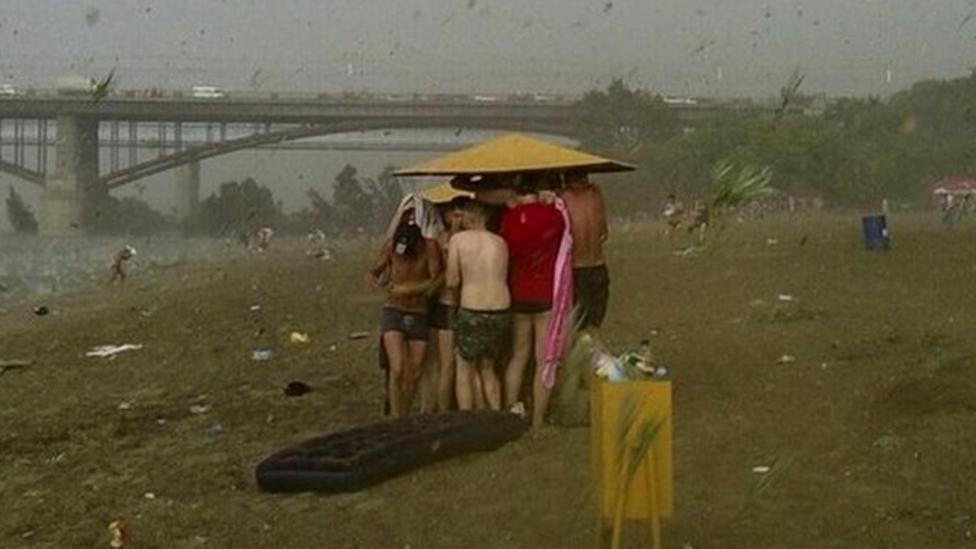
x=511 y=154
x=443 y=192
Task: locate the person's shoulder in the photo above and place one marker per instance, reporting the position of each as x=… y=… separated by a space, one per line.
x=467 y=235
x=458 y=238
x=492 y=237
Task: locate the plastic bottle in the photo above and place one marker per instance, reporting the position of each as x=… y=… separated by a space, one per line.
x=645 y=352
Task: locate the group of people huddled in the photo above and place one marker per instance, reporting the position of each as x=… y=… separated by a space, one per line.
x=491 y=282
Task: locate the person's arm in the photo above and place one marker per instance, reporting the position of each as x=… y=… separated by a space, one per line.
x=380 y=265
x=600 y=208
x=435 y=259
x=453 y=278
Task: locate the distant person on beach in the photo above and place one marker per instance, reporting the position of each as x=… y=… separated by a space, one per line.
x=699 y=220
x=533 y=231
x=315 y=246
x=588 y=219
x=119 y=259
x=261 y=242
x=673 y=210
x=477 y=269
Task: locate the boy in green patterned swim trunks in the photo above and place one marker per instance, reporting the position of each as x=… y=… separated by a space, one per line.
x=482 y=334
x=477 y=267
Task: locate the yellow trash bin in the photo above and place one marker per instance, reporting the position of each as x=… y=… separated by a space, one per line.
x=652 y=486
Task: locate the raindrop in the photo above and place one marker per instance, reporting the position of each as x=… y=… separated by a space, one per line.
x=92 y=15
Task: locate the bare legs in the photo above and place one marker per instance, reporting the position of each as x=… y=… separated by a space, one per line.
x=540 y=393
x=429 y=380
x=492 y=387
x=528 y=334
x=416 y=350
x=445 y=378
x=465 y=384
x=406 y=360
x=477 y=385
x=521 y=350
x=437 y=380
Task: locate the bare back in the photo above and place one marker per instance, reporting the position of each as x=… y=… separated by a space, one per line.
x=478 y=263
x=588 y=220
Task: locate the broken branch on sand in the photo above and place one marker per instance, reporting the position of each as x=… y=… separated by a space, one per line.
x=14 y=365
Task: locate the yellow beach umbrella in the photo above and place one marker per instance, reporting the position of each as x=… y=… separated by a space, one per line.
x=514 y=153
x=443 y=192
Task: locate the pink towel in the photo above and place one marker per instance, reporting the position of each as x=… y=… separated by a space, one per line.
x=557 y=333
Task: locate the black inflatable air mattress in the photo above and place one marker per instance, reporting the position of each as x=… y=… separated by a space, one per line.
x=352 y=460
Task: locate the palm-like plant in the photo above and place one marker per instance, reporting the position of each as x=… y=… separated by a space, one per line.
x=738 y=184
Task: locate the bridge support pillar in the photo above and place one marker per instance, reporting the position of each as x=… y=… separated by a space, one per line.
x=187 y=189
x=75 y=178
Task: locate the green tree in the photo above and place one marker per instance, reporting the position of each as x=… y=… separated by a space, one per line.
x=106 y=214
x=20 y=214
x=236 y=209
x=620 y=119
x=352 y=205
x=385 y=193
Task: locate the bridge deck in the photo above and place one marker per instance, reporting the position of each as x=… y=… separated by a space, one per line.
x=310 y=111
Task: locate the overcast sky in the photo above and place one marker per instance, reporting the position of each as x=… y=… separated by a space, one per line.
x=702 y=47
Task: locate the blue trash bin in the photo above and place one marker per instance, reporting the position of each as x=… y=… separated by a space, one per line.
x=875 y=232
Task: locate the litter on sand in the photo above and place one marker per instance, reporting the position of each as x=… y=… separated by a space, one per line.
x=262 y=355
x=761 y=469
x=358 y=335
x=117 y=531
x=6 y=365
x=297 y=388
x=786 y=359
x=105 y=351
x=299 y=338
x=785 y=298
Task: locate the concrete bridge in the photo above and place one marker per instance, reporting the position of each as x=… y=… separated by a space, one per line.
x=82 y=127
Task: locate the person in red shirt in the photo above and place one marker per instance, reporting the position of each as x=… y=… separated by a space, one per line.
x=533 y=230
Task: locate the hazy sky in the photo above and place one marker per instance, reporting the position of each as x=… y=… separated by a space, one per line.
x=701 y=47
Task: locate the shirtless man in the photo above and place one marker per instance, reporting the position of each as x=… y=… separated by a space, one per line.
x=588 y=220
x=118 y=262
x=414 y=267
x=438 y=382
x=477 y=265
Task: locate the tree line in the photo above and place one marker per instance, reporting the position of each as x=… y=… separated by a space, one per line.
x=238 y=208
x=852 y=153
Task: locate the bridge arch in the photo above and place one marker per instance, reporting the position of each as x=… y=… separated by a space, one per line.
x=141 y=170
x=21 y=172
